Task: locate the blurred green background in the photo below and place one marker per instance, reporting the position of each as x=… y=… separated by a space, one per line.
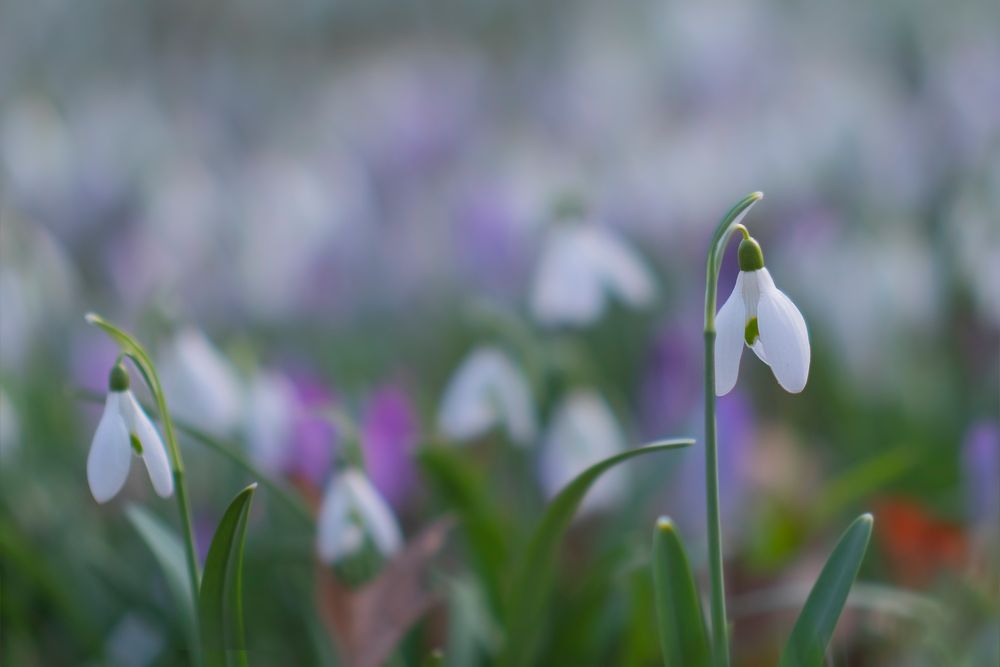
x=349 y=198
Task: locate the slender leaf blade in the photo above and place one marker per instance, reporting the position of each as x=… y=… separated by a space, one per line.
x=681 y=623
x=168 y=550
x=816 y=622
x=220 y=600
x=531 y=579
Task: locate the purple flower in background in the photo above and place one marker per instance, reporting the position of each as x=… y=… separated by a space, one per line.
x=489 y=242
x=736 y=440
x=981 y=471
x=390 y=430
x=671 y=389
x=313 y=436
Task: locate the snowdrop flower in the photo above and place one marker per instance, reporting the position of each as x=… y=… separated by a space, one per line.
x=200 y=384
x=759 y=315
x=583 y=431
x=487 y=390
x=352 y=511
x=125 y=428
x=582 y=266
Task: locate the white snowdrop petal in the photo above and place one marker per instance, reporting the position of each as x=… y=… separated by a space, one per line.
x=583 y=431
x=110 y=453
x=487 y=390
x=336 y=535
x=620 y=269
x=200 y=383
x=784 y=336
x=154 y=453
x=377 y=518
x=730 y=324
x=567 y=289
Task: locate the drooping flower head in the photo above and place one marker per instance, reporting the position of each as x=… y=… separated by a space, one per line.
x=353 y=513
x=759 y=315
x=488 y=390
x=124 y=428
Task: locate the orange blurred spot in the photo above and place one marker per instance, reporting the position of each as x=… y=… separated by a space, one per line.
x=918 y=545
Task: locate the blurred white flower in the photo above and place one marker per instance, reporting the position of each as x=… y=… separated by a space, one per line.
x=124 y=427
x=200 y=384
x=582 y=266
x=487 y=390
x=583 y=431
x=760 y=316
x=352 y=511
x=10 y=427
x=270 y=419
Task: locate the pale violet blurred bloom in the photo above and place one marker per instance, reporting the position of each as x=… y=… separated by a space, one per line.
x=582 y=432
x=390 y=431
x=488 y=390
x=759 y=315
x=125 y=428
x=200 y=384
x=353 y=512
x=981 y=473
x=582 y=267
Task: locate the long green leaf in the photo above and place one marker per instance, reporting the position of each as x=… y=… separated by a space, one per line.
x=530 y=583
x=461 y=488
x=683 y=636
x=220 y=600
x=168 y=550
x=816 y=623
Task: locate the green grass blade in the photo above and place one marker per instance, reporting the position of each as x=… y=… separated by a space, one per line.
x=168 y=550
x=816 y=623
x=220 y=600
x=682 y=631
x=531 y=579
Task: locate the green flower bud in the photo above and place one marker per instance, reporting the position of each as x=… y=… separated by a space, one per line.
x=751 y=256
x=118 y=381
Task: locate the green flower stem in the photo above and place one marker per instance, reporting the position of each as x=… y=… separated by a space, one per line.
x=135 y=351
x=720 y=628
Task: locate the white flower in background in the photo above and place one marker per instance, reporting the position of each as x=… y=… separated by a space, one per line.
x=759 y=315
x=10 y=428
x=487 y=390
x=583 y=431
x=352 y=511
x=270 y=419
x=200 y=384
x=125 y=428
x=582 y=266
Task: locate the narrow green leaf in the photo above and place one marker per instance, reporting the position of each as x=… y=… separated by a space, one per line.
x=683 y=636
x=461 y=488
x=220 y=601
x=168 y=550
x=818 y=618
x=531 y=579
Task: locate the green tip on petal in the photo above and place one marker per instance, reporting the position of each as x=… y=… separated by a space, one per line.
x=751 y=256
x=751 y=332
x=136 y=443
x=118 y=380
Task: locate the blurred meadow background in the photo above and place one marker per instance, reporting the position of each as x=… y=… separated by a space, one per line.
x=333 y=223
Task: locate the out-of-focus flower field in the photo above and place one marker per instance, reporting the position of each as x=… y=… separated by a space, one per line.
x=464 y=243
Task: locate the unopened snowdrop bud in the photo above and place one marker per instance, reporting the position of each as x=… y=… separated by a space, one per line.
x=759 y=315
x=124 y=428
x=352 y=514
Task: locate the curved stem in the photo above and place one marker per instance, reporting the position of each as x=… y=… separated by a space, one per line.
x=135 y=351
x=720 y=629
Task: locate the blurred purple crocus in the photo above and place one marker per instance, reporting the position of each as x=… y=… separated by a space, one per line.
x=671 y=389
x=313 y=437
x=981 y=472
x=390 y=430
